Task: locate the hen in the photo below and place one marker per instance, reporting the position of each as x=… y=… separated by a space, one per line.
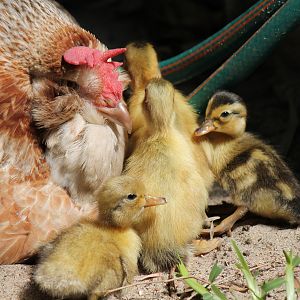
x=61 y=121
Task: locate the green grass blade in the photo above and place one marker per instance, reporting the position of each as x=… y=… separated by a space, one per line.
x=289 y=276
x=240 y=256
x=218 y=293
x=287 y=257
x=208 y=297
x=296 y=261
x=214 y=273
x=272 y=284
x=193 y=283
x=243 y=266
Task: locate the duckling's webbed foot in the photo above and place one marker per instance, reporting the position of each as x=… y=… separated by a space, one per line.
x=226 y=225
x=205 y=246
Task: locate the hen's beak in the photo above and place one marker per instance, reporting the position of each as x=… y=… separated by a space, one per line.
x=206 y=127
x=154 y=201
x=118 y=115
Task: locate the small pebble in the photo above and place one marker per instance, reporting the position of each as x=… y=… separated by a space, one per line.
x=246 y=228
x=248 y=241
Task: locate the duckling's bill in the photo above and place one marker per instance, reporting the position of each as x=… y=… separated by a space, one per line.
x=154 y=201
x=206 y=127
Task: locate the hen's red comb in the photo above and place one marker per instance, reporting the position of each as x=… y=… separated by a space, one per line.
x=82 y=55
x=111 y=87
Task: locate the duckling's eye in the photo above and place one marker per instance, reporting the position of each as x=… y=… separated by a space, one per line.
x=225 y=114
x=131 y=196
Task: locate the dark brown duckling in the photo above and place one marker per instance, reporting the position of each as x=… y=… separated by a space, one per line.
x=251 y=171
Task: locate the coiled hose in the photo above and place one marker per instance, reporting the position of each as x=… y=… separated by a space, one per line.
x=262 y=27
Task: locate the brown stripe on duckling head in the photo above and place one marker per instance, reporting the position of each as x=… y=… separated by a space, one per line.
x=222 y=98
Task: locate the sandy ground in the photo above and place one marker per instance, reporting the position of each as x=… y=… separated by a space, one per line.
x=261 y=242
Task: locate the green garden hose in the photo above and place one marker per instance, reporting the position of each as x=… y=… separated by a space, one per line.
x=250 y=55
x=214 y=50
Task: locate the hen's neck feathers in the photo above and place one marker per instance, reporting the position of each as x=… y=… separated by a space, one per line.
x=33 y=37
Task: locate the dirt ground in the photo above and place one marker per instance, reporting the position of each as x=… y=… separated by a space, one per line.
x=262 y=242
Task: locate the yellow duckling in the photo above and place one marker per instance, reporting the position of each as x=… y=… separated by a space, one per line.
x=165 y=157
x=250 y=170
x=93 y=257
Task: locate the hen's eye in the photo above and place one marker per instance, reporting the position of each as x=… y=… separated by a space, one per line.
x=131 y=196
x=225 y=114
x=72 y=84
